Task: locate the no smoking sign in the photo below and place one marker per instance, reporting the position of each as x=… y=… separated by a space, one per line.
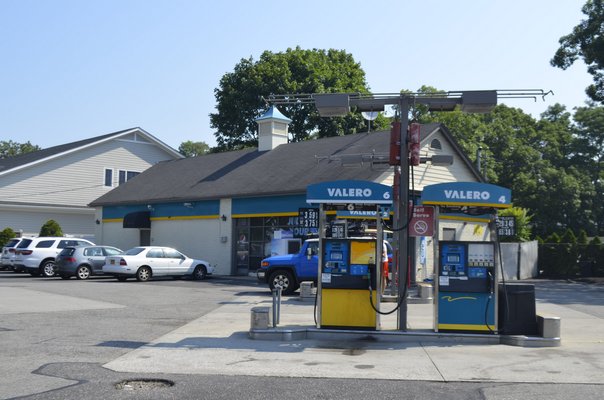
x=422 y=221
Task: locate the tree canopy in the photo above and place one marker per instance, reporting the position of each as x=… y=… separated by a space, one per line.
x=295 y=71
x=193 y=149
x=552 y=165
x=51 y=228
x=586 y=41
x=11 y=149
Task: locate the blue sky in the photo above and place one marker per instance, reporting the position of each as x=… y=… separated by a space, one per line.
x=71 y=70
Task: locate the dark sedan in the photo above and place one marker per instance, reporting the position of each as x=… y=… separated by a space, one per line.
x=83 y=261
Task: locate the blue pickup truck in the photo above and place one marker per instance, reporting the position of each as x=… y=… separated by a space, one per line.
x=289 y=270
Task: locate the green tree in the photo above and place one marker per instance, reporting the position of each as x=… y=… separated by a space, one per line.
x=11 y=149
x=5 y=235
x=193 y=149
x=586 y=41
x=582 y=238
x=51 y=228
x=589 y=157
x=295 y=71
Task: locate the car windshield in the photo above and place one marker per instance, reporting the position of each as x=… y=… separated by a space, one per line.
x=24 y=243
x=67 y=251
x=134 y=251
x=12 y=243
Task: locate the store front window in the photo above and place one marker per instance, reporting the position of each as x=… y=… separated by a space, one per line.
x=261 y=237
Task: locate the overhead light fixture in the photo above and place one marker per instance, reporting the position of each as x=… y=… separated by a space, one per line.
x=332 y=104
x=443 y=160
x=351 y=160
x=478 y=101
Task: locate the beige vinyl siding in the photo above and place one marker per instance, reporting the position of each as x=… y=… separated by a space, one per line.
x=29 y=222
x=78 y=178
x=428 y=174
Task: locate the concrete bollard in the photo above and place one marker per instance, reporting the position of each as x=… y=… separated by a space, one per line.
x=306 y=291
x=260 y=318
x=548 y=326
x=426 y=290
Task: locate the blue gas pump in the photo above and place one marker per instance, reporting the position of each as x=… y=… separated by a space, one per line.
x=467 y=299
x=466 y=272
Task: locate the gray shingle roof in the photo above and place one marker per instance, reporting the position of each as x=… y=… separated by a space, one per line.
x=23 y=159
x=287 y=169
x=28 y=158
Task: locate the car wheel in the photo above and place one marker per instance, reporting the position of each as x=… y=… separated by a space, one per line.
x=200 y=273
x=65 y=277
x=283 y=279
x=48 y=269
x=83 y=272
x=122 y=278
x=143 y=274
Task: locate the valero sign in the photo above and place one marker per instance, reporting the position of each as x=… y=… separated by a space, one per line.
x=467 y=194
x=349 y=192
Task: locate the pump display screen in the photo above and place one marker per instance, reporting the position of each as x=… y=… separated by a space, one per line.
x=453 y=258
x=466 y=266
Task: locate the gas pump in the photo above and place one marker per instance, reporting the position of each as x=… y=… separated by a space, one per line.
x=348 y=290
x=467 y=272
x=348 y=274
x=467 y=299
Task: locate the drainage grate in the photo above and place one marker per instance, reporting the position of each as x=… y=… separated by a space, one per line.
x=143 y=384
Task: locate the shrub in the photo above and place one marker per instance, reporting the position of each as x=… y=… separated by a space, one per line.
x=5 y=235
x=51 y=228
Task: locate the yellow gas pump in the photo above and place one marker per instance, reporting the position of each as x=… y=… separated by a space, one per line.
x=348 y=290
x=348 y=275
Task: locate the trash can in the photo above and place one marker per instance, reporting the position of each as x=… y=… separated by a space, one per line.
x=586 y=269
x=517 y=310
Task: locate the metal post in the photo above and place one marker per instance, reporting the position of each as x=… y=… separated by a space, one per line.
x=319 y=298
x=403 y=216
x=436 y=264
x=379 y=256
x=276 y=305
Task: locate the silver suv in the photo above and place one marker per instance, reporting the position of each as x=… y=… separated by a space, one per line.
x=8 y=254
x=37 y=255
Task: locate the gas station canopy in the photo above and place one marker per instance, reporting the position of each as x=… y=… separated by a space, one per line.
x=349 y=191
x=472 y=194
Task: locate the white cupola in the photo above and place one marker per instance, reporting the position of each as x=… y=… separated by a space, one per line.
x=272 y=129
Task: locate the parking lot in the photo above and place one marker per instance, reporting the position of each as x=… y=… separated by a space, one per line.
x=50 y=320
x=77 y=339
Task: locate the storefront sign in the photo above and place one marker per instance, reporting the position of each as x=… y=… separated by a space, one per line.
x=422 y=221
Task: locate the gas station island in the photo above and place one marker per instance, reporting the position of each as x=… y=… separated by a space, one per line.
x=472 y=302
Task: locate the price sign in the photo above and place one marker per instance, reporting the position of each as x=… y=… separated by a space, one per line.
x=308 y=217
x=506 y=226
x=338 y=230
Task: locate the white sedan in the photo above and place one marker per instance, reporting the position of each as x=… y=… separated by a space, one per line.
x=146 y=261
